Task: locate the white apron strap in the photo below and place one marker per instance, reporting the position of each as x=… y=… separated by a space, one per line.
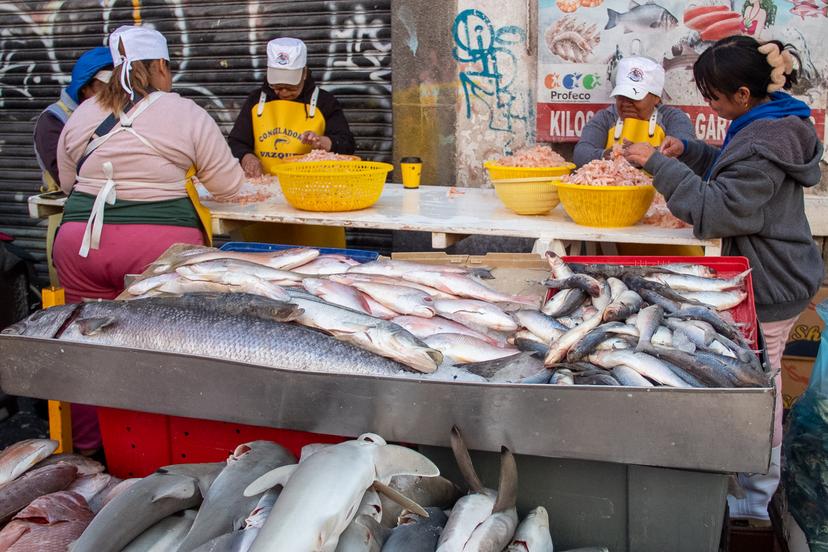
x=313 y=100
x=94 y=226
x=619 y=128
x=653 y=118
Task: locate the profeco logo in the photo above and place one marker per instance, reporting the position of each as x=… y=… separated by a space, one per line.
x=636 y=75
x=282 y=58
x=566 y=86
x=572 y=81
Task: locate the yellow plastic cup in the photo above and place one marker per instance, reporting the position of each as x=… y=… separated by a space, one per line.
x=412 y=168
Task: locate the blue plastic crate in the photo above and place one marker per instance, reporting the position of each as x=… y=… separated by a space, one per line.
x=253 y=247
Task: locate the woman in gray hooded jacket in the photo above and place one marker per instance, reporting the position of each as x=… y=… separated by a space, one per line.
x=750 y=193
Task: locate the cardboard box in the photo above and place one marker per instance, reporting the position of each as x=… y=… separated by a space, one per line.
x=796 y=373
x=805 y=335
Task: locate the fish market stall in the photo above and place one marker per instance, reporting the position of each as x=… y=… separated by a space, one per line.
x=661 y=453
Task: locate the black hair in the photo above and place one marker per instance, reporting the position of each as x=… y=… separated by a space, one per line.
x=734 y=62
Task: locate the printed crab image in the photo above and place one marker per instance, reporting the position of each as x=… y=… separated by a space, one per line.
x=572 y=40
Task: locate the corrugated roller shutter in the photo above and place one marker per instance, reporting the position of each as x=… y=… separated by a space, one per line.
x=218 y=53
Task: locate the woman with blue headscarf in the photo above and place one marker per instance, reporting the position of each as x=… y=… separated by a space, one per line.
x=90 y=74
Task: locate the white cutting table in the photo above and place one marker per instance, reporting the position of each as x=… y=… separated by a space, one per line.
x=451 y=214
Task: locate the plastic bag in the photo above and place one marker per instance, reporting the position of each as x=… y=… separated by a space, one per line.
x=805 y=449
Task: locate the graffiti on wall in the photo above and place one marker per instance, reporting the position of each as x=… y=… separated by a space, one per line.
x=217 y=49
x=490 y=69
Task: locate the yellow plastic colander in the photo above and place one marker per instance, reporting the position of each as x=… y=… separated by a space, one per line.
x=500 y=172
x=528 y=196
x=605 y=206
x=332 y=185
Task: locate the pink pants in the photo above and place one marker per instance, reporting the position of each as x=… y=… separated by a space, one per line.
x=776 y=335
x=124 y=249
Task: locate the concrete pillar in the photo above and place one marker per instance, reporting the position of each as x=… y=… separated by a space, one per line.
x=424 y=87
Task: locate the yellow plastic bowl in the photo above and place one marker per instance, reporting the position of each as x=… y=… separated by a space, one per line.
x=332 y=185
x=500 y=172
x=528 y=196
x=605 y=206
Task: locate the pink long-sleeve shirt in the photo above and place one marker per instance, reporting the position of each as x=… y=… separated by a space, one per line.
x=176 y=126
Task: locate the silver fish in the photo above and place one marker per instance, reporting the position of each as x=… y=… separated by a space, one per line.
x=564 y=303
x=211 y=331
x=622 y=307
x=464 y=348
x=546 y=328
x=532 y=535
x=512 y=369
x=326 y=265
x=646 y=365
x=617 y=287
x=686 y=282
x=629 y=377
x=364 y=534
x=378 y=336
x=350 y=278
x=690 y=269
x=475 y=314
x=584 y=282
x=397 y=268
x=462 y=285
x=144 y=285
x=642 y=18
x=247 y=283
x=224 y=503
x=401 y=299
x=285 y=259
x=718 y=300
x=648 y=321
x=165 y=535
x=425 y=327
x=336 y=293
x=219 y=267
x=148 y=501
x=559 y=349
x=16 y=459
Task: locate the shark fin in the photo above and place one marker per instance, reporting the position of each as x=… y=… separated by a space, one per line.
x=391 y=460
x=507 y=487
x=279 y=476
x=183 y=488
x=399 y=498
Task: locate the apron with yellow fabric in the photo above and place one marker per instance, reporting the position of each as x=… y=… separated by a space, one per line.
x=638 y=130
x=277 y=129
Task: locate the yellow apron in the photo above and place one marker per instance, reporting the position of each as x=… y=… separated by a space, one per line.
x=638 y=130
x=277 y=128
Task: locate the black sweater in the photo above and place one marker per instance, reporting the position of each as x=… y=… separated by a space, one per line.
x=336 y=126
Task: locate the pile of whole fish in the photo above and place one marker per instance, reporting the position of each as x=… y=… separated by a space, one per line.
x=296 y=309
x=644 y=326
x=363 y=495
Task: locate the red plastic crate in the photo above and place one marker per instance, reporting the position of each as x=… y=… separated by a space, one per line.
x=726 y=267
x=138 y=443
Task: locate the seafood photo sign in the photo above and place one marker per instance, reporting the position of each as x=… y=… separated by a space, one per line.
x=581 y=41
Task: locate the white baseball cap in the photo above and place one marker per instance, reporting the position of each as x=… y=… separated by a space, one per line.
x=635 y=77
x=286 y=61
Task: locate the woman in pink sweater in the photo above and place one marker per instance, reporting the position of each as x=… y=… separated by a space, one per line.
x=123 y=158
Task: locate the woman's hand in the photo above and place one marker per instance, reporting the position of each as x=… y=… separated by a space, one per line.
x=251 y=166
x=637 y=154
x=672 y=147
x=315 y=141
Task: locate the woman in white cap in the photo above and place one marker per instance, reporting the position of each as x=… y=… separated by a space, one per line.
x=126 y=157
x=637 y=116
x=289 y=115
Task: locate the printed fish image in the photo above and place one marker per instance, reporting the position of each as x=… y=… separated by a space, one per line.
x=641 y=17
x=808 y=8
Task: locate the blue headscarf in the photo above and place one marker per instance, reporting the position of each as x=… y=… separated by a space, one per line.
x=781 y=105
x=85 y=69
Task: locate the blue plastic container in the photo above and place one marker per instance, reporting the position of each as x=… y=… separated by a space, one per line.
x=253 y=247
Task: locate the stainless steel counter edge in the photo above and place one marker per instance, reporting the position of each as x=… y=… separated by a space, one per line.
x=720 y=430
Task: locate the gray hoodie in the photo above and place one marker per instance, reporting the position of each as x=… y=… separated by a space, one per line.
x=754 y=201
